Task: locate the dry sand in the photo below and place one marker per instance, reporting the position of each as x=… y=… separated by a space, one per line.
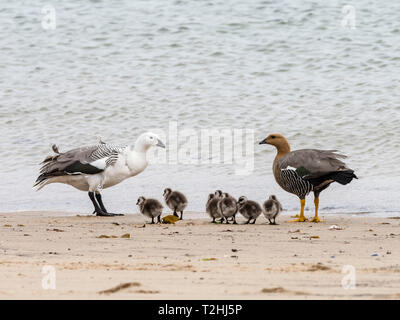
x=194 y=259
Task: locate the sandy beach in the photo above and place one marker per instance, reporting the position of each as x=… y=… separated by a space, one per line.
x=124 y=258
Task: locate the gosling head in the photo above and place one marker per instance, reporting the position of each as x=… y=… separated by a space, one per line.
x=218 y=193
x=272 y=197
x=242 y=200
x=140 y=200
x=167 y=192
x=210 y=197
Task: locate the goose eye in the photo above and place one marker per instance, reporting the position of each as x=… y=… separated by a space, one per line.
x=273 y=137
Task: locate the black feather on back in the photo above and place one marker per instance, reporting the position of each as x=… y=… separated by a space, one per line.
x=342 y=177
x=82 y=168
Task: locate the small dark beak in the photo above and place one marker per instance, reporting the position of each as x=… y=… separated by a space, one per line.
x=160 y=144
x=264 y=141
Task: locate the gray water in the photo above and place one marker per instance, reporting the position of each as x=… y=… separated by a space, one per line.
x=118 y=68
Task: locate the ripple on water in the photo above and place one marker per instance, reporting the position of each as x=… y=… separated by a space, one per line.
x=263 y=65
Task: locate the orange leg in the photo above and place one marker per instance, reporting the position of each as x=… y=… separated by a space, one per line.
x=316 y=203
x=302 y=218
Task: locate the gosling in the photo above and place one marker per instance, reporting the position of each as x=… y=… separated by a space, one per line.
x=272 y=208
x=176 y=201
x=228 y=207
x=151 y=208
x=212 y=208
x=249 y=209
x=218 y=193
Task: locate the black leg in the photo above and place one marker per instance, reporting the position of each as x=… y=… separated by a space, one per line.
x=100 y=202
x=98 y=210
x=234 y=220
x=254 y=221
x=248 y=221
x=175 y=214
x=213 y=221
x=222 y=220
x=159 y=219
x=152 y=220
x=181 y=216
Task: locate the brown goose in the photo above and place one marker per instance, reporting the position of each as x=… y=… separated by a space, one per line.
x=302 y=171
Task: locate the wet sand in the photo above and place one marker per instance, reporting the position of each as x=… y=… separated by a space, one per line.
x=94 y=258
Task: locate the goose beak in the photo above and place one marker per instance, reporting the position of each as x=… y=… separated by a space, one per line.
x=160 y=144
x=264 y=141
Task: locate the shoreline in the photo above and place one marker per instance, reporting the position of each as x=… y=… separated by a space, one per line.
x=193 y=259
x=197 y=215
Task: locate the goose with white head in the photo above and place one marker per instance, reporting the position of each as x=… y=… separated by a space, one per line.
x=97 y=167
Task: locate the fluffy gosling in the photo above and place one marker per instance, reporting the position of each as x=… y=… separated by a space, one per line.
x=272 y=208
x=212 y=208
x=176 y=201
x=228 y=207
x=249 y=209
x=151 y=208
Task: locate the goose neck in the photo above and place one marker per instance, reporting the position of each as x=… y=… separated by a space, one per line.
x=140 y=148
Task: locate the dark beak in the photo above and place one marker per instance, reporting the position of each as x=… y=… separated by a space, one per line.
x=160 y=144
x=264 y=141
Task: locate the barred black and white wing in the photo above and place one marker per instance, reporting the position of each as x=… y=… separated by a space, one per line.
x=105 y=155
x=85 y=160
x=306 y=170
x=294 y=183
